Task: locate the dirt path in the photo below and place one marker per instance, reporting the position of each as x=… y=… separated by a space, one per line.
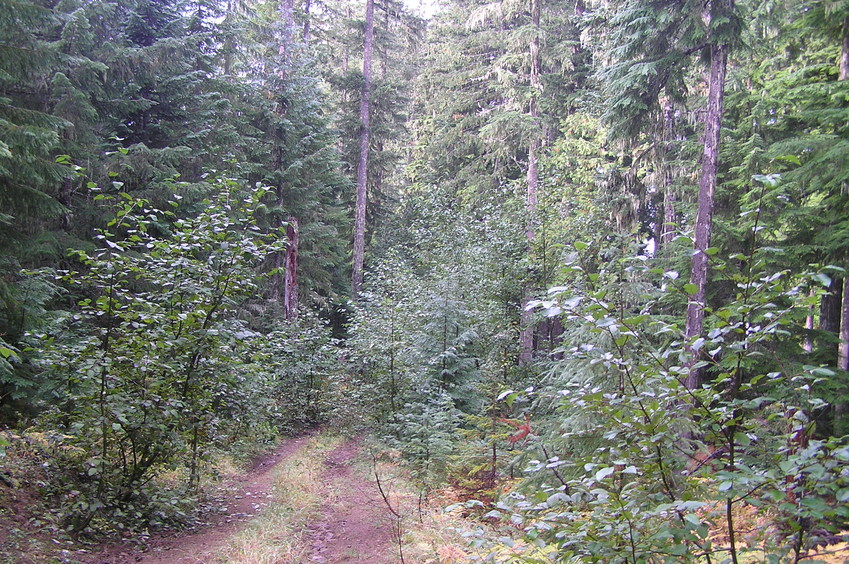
x=356 y=525
x=247 y=496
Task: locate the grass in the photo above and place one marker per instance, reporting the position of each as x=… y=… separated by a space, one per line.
x=278 y=533
x=429 y=533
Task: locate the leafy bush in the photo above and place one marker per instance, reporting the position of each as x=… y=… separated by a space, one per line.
x=152 y=363
x=639 y=468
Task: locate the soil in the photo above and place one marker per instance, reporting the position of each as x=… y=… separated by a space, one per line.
x=355 y=524
x=247 y=495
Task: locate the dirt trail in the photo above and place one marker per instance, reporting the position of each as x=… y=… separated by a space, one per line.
x=247 y=496
x=356 y=525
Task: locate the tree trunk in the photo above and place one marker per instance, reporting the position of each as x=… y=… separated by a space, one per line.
x=287 y=14
x=808 y=343
x=670 y=218
x=290 y=286
x=362 y=167
x=536 y=86
x=843 y=347
x=526 y=336
x=830 y=308
x=841 y=409
x=669 y=223
x=843 y=65
x=704 y=215
x=306 y=35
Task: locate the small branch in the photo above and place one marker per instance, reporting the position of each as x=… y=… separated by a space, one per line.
x=399 y=530
x=556 y=473
x=384 y=496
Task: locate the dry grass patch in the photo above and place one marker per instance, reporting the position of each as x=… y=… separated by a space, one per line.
x=277 y=534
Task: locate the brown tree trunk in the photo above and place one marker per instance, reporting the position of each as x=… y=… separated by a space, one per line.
x=830 y=312
x=290 y=285
x=362 y=167
x=841 y=409
x=843 y=347
x=704 y=214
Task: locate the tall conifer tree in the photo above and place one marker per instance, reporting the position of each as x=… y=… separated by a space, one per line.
x=362 y=163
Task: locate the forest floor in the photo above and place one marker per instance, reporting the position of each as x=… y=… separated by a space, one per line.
x=315 y=499
x=319 y=498
x=347 y=521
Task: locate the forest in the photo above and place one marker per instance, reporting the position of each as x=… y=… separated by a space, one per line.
x=582 y=263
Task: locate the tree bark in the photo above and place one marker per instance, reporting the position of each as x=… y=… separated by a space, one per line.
x=290 y=286
x=526 y=335
x=670 y=218
x=704 y=215
x=841 y=409
x=536 y=86
x=843 y=65
x=669 y=223
x=830 y=311
x=808 y=343
x=843 y=347
x=306 y=34
x=287 y=14
x=362 y=167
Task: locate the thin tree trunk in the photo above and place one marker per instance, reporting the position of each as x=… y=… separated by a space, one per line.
x=670 y=218
x=843 y=347
x=843 y=65
x=290 y=286
x=841 y=409
x=306 y=35
x=808 y=344
x=536 y=86
x=362 y=167
x=287 y=13
x=526 y=336
x=669 y=224
x=704 y=215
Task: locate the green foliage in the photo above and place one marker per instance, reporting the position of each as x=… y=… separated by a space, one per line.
x=649 y=46
x=299 y=359
x=147 y=369
x=638 y=468
x=474 y=125
x=425 y=433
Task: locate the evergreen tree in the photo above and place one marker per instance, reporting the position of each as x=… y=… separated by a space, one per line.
x=651 y=44
x=287 y=142
x=30 y=178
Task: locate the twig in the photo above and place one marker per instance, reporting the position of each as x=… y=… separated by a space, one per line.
x=398 y=518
